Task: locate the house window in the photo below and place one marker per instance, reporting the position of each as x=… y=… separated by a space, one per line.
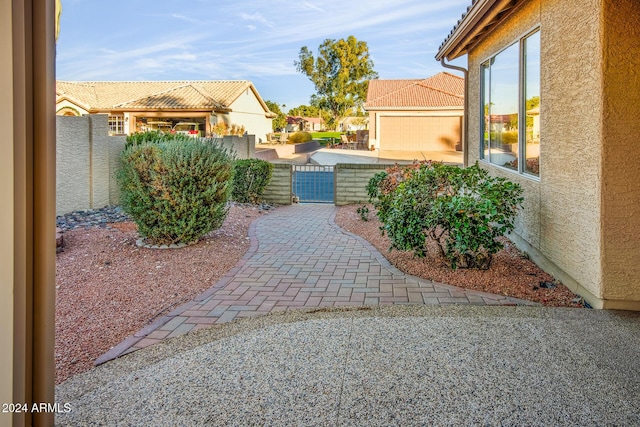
x=511 y=107
x=116 y=125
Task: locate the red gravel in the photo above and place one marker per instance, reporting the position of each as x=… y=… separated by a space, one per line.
x=107 y=288
x=511 y=273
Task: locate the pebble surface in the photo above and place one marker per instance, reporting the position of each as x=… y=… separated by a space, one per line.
x=91 y=218
x=109 y=214
x=391 y=366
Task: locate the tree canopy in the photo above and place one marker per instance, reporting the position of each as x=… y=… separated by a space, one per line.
x=340 y=73
x=279 y=122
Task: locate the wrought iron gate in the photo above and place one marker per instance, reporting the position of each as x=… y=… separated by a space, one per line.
x=313 y=183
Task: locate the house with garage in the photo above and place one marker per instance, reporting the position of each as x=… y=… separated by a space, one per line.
x=151 y=105
x=307 y=124
x=416 y=115
x=553 y=103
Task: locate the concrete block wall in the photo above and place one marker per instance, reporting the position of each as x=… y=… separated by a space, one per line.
x=244 y=147
x=73 y=175
x=279 y=189
x=351 y=182
x=116 y=146
x=86 y=161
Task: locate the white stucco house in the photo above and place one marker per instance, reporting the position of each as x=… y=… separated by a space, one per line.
x=146 y=105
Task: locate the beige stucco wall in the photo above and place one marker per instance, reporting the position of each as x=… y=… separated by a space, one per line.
x=621 y=152
x=247 y=111
x=561 y=219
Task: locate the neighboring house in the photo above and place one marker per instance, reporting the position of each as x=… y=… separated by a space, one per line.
x=354 y=123
x=140 y=106
x=308 y=124
x=416 y=115
x=567 y=71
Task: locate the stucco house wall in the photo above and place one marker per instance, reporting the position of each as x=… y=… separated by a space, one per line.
x=66 y=106
x=581 y=218
x=248 y=111
x=620 y=150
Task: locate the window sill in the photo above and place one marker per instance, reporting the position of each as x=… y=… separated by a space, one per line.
x=533 y=178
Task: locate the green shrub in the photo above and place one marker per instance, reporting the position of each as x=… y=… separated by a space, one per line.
x=154 y=136
x=175 y=192
x=463 y=210
x=250 y=178
x=381 y=186
x=299 y=137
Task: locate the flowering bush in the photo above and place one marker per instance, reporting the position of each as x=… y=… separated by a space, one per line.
x=463 y=210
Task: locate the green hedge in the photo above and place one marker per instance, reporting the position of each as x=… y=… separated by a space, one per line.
x=155 y=136
x=250 y=178
x=175 y=192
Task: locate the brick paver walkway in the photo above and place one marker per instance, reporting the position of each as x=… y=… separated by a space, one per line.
x=299 y=258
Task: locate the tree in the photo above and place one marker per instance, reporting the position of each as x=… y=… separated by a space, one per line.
x=279 y=122
x=304 y=111
x=340 y=73
x=310 y=111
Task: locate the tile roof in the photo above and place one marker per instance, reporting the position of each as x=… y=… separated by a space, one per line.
x=101 y=96
x=441 y=90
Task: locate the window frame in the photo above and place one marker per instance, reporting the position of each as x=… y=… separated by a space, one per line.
x=116 y=122
x=522 y=122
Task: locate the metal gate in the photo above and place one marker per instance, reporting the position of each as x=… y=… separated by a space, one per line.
x=313 y=183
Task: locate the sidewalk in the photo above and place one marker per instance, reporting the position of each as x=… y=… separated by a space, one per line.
x=299 y=258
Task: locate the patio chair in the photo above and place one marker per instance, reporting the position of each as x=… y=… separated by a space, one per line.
x=284 y=137
x=270 y=138
x=345 y=141
x=363 y=144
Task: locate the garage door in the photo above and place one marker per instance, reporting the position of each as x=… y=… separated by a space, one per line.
x=419 y=133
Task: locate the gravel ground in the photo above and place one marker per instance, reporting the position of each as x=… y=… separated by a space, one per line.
x=107 y=288
x=511 y=273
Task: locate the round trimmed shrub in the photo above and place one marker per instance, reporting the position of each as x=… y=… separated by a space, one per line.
x=299 y=137
x=250 y=178
x=176 y=192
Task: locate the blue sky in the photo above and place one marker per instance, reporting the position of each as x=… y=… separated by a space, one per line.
x=255 y=40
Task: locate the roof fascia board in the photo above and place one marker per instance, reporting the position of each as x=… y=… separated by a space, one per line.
x=374 y=109
x=482 y=12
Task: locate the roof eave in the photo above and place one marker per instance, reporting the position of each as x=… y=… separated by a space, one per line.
x=481 y=15
x=414 y=108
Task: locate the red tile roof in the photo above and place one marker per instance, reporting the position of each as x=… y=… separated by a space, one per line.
x=441 y=90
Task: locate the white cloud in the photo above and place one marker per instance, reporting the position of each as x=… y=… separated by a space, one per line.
x=256 y=17
x=183 y=17
x=312 y=6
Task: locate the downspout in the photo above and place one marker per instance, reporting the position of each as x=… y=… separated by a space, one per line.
x=465 y=114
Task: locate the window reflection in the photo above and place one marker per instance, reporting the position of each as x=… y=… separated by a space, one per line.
x=511 y=106
x=531 y=49
x=504 y=108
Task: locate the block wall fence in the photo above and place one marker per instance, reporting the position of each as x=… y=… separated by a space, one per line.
x=87 y=161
